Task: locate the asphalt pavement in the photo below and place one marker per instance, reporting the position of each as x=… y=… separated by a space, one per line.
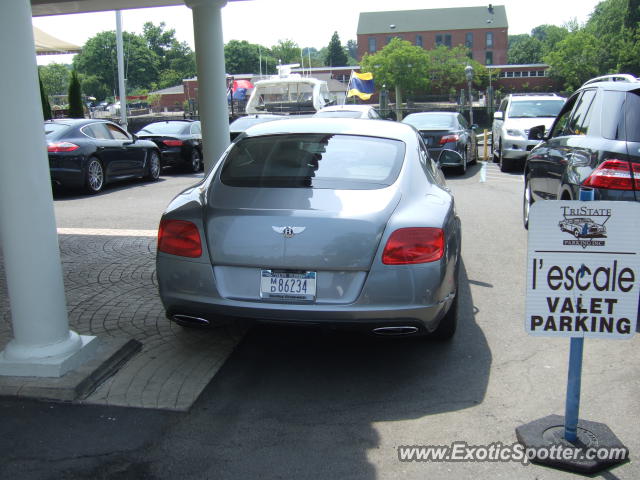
x=304 y=403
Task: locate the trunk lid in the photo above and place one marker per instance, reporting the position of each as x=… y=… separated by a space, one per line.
x=297 y=228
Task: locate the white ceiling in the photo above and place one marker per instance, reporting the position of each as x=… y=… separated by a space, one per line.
x=42 y=8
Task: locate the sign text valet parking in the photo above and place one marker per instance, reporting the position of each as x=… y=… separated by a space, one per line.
x=583 y=269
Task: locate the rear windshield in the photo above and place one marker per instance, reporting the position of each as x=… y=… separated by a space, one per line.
x=163 y=128
x=535 y=108
x=339 y=114
x=431 y=121
x=52 y=128
x=314 y=160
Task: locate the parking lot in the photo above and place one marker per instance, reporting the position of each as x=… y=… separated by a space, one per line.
x=301 y=402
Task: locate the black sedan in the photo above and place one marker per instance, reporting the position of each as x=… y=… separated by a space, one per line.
x=446 y=131
x=179 y=141
x=88 y=153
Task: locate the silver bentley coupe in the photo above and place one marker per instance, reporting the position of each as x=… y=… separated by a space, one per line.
x=331 y=222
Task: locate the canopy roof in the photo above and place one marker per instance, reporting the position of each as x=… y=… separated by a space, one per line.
x=40 y=8
x=49 y=45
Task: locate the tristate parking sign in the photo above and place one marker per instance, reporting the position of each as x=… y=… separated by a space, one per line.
x=583 y=269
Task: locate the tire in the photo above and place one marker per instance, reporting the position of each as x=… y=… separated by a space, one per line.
x=154 y=167
x=94 y=176
x=494 y=152
x=474 y=160
x=449 y=323
x=504 y=164
x=462 y=169
x=195 y=161
x=576 y=232
x=527 y=201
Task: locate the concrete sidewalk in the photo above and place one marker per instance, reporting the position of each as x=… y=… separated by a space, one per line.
x=112 y=293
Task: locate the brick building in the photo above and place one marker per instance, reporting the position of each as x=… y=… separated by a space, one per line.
x=484 y=30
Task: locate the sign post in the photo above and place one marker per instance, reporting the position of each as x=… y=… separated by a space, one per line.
x=582 y=282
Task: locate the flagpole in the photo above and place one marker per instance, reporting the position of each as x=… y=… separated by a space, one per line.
x=344 y=100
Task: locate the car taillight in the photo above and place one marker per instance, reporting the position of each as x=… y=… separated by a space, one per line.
x=172 y=143
x=614 y=175
x=414 y=245
x=449 y=138
x=61 y=147
x=179 y=237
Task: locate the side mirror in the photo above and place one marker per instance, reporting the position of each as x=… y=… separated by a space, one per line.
x=498 y=116
x=537 y=133
x=474 y=126
x=449 y=157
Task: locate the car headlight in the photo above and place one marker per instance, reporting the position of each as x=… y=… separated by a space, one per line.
x=514 y=132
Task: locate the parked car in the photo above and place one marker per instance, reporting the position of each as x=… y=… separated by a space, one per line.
x=594 y=142
x=179 y=141
x=335 y=222
x=89 y=153
x=446 y=131
x=240 y=124
x=582 y=227
x=348 y=111
x=513 y=119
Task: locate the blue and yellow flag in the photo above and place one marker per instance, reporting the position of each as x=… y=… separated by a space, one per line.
x=361 y=85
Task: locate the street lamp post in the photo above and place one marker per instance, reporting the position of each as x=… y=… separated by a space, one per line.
x=468 y=72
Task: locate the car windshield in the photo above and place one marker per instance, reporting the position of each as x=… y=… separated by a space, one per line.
x=435 y=121
x=535 y=108
x=51 y=128
x=314 y=160
x=164 y=128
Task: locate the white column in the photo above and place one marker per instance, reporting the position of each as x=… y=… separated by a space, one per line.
x=212 y=86
x=120 y=59
x=42 y=345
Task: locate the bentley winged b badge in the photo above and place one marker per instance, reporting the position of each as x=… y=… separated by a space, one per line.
x=288 y=232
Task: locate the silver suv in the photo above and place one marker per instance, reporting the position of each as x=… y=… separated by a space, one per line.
x=519 y=112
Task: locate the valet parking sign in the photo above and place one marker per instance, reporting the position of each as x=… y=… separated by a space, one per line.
x=583 y=269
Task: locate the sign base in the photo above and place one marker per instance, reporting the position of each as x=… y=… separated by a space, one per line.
x=546 y=435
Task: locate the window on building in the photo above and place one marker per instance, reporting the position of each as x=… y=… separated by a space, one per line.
x=372 y=44
x=443 y=39
x=489 y=39
x=509 y=74
x=468 y=42
x=488 y=58
x=517 y=74
x=418 y=40
x=389 y=39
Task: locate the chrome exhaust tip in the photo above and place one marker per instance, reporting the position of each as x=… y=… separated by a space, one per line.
x=395 y=331
x=189 y=321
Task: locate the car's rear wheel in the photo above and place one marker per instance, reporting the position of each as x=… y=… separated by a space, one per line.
x=94 y=176
x=195 y=164
x=153 y=169
x=527 y=201
x=449 y=323
x=463 y=167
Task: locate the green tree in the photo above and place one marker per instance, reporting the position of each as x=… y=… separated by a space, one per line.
x=241 y=56
x=525 y=50
x=352 y=49
x=286 y=51
x=44 y=98
x=76 y=109
x=575 y=59
x=169 y=78
x=93 y=86
x=172 y=54
x=336 y=56
x=98 y=57
x=55 y=78
x=606 y=24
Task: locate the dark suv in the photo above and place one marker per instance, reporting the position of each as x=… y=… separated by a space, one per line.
x=593 y=142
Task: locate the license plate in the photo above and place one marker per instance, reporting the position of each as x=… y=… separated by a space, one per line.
x=288 y=285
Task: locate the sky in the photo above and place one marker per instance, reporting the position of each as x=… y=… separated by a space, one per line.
x=309 y=24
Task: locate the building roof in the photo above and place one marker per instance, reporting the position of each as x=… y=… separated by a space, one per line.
x=170 y=90
x=436 y=19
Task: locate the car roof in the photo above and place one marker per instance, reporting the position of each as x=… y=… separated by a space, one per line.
x=181 y=120
x=345 y=126
x=424 y=114
x=76 y=121
x=346 y=108
x=522 y=98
